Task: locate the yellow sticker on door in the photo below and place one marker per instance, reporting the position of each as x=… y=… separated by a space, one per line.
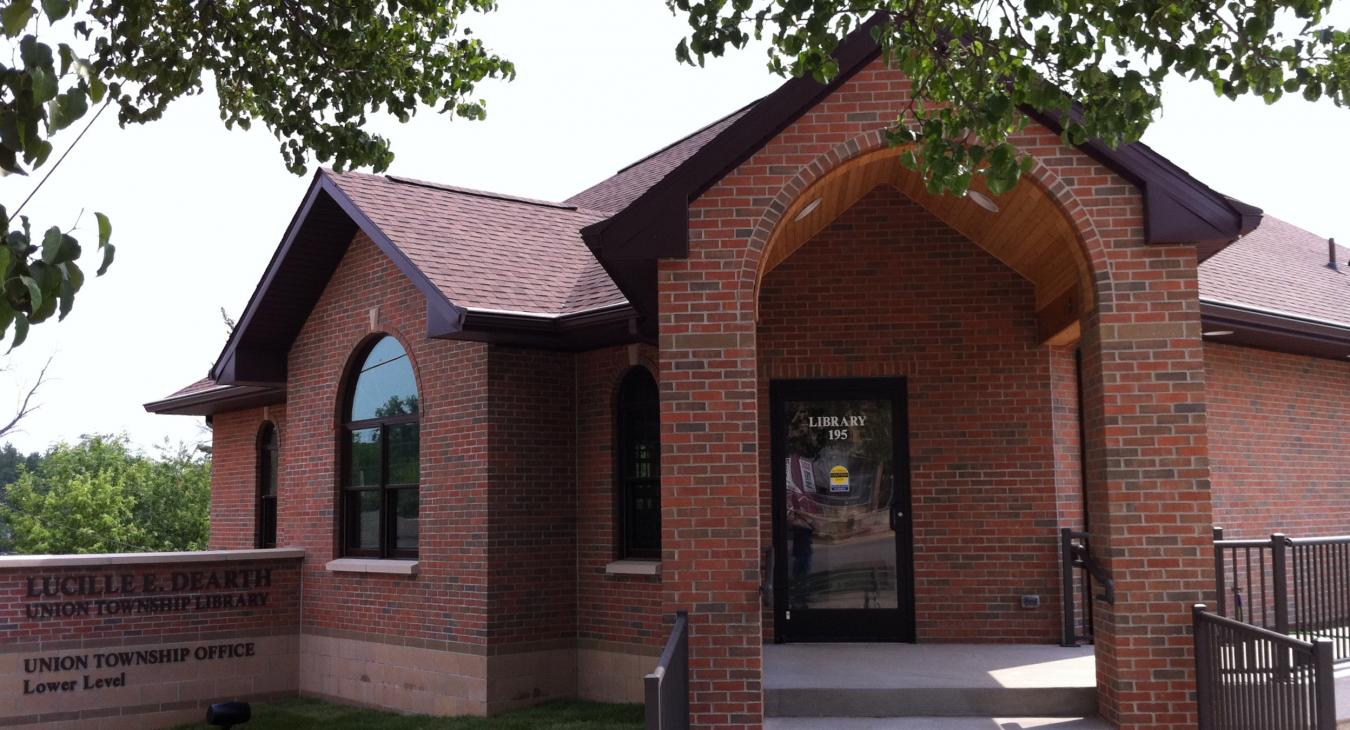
x=839 y=479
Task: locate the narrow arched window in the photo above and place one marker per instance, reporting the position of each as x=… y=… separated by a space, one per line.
x=268 y=460
x=639 y=444
x=380 y=455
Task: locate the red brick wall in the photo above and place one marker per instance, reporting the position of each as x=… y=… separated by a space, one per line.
x=447 y=602
x=532 y=549
x=1278 y=453
x=888 y=289
x=624 y=609
x=234 y=474
x=1144 y=407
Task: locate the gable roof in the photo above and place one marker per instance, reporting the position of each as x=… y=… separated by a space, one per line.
x=654 y=223
x=485 y=251
x=581 y=273
x=490 y=266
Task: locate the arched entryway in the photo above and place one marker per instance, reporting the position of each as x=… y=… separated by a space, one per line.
x=918 y=433
x=1068 y=253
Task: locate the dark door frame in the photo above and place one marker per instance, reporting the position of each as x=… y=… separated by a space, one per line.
x=896 y=624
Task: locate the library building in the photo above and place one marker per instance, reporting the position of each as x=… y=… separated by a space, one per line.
x=877 y=449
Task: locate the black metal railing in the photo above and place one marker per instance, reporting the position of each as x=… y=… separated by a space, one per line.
x=667 y=687
x=1294 y=586
x=1077 y=572
x=1251 y=678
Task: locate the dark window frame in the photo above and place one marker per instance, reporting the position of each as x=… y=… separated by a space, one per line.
x=631 y=543
x=387 y=548
x=268 y=485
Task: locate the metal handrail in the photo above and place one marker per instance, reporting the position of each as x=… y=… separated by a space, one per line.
x=667 y=687
x=1248 y=677
x=1076 y=554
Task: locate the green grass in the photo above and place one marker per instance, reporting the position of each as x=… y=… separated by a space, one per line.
x=304 y=714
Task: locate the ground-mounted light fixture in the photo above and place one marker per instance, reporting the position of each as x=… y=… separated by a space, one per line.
x=1218 y=333
x=982 y=200
x=228 y=714
x=808 y=210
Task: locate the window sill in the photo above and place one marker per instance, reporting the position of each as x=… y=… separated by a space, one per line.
x=634 y=567
x=372 y=565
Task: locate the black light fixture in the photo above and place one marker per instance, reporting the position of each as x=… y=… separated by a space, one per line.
x=228 y=714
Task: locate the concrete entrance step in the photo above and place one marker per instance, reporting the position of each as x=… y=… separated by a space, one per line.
x=981 y=681
x=934 y=723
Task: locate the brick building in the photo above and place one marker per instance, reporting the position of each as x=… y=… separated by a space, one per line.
x=763 y=376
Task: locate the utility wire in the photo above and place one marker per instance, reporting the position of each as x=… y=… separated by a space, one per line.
x=62 y=158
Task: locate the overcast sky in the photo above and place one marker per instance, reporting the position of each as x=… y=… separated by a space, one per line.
x=197 y=210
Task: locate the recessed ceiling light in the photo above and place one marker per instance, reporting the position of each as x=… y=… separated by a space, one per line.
x=808 y=210
x=982 y=200
x=1218 y=333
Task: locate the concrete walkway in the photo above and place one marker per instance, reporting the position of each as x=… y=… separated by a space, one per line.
x=927 y=666
x=933 y=723
x=939 y=686
x=1342 y=675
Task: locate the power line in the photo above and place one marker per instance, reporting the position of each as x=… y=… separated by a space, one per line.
x=62 y=158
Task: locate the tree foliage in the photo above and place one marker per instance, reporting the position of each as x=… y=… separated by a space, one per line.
x=975 y=64
x=310 y=71
x=99 y=496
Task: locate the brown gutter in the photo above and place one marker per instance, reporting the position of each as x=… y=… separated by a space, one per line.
x=1275 y=331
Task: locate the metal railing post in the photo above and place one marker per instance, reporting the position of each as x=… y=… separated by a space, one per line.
x=1279 y=576
x=1221 y=599
x=1069 y=635
x=1324 y=652
x=1204 y=675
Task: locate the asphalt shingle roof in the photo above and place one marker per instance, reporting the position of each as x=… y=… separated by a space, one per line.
x=498 y=252
x=1281 y=268
x=487 y=251
x=619 y=191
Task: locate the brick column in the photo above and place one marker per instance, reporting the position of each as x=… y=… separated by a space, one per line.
x=1148 y=482
x=710 y=485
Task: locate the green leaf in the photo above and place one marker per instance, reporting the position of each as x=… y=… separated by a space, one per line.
x=34 y=292
x=20 y=329
x=104 y=229
x=14 y=18
x=56 y=9
x=51 y=245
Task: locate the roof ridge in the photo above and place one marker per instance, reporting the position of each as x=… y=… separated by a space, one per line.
x=481 y=193
x=686 y=137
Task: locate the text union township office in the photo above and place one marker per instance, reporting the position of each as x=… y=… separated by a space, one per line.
x=489 y=446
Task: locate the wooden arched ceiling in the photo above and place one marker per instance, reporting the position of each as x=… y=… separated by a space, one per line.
x=1029 y=233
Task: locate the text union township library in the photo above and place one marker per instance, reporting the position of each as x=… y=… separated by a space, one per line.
x=474 y=452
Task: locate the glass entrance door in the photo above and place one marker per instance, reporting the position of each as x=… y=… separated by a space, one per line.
x=842 y=531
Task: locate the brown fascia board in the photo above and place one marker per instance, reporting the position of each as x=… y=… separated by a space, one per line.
x=1276 y=331
x=1179 y=209
x=217 y=399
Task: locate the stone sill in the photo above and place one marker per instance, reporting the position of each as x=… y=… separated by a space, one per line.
x=101 y=559
x=634 y=567
x=372 y=565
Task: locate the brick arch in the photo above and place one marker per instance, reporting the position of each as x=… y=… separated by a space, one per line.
x=1091 y=257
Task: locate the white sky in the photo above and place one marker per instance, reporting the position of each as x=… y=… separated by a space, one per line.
x=197 y=210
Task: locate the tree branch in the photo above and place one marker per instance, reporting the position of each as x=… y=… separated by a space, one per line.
x=26 y=407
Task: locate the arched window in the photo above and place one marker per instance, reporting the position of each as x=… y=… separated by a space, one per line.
x=380 y=454
x=267 y=486
x=639 y=464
